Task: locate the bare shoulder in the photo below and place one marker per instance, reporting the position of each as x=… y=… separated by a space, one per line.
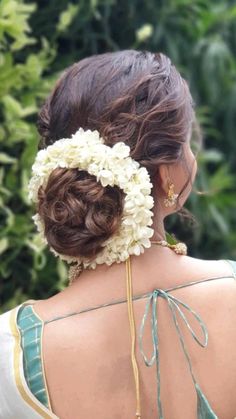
x=218 y=292
x=191 y=268
x=216 y=281
x=200 y=269
x=176 y=270
x=207 y=268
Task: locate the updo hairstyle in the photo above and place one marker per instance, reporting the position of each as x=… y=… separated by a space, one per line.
x=137 y=97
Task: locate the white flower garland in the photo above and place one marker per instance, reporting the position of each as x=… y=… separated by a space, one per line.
x=86 y=150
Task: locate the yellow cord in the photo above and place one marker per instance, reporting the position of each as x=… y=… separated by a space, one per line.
x=132 y=330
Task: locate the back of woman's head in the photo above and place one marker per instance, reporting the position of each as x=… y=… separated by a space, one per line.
x=137 y=97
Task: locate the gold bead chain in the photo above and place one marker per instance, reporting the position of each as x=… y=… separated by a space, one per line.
x=179 y=248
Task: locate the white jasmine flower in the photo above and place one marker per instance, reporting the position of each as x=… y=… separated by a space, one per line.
x=120 y=150
x=86 y=150
x=106 y=177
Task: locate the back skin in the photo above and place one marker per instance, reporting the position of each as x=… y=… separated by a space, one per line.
x=87 y=356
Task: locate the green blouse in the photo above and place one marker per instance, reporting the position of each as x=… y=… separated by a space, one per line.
x=30 y=326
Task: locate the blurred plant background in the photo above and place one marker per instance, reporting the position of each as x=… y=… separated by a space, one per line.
x=38 y=40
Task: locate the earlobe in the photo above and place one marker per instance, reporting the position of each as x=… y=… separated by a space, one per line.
x=163 y=176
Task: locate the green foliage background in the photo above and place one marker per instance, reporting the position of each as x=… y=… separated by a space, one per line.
x=38 y=40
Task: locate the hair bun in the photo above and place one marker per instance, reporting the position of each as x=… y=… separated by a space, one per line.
x=79 y=214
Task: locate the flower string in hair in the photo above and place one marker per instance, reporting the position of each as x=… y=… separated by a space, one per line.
x=86 y=150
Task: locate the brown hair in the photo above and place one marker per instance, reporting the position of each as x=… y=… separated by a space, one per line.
x=137 y=97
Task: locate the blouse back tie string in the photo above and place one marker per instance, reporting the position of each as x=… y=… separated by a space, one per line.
x=174 y=304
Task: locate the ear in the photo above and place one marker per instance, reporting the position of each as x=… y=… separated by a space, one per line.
x=163 y=176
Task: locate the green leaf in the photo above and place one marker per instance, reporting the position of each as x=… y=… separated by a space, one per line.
x=219 y=220
x=211 y=155
x=221 y=179
x=3 y=244
x=170 y=238
x=6 y=159
x=67 y=16
x=35 y=243
x=14 y=109
x=14 y=17
x=144 y=33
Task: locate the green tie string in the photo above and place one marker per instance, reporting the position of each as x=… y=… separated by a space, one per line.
x=175 y=307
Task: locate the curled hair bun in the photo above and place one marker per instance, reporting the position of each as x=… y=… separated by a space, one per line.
x=137 y=97
x=79 y=213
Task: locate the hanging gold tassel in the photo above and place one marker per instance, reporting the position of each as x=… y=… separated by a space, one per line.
x=132 y=330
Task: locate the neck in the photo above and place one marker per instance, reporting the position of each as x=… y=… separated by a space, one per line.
x=158 y=226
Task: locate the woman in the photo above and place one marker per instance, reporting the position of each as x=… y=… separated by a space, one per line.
x=74 y=355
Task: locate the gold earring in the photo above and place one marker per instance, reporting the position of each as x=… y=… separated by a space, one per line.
x=171 y=196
